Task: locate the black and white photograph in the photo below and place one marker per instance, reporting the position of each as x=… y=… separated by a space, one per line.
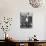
x=25 y=20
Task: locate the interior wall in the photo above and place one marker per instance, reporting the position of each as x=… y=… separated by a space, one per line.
x=12 y=8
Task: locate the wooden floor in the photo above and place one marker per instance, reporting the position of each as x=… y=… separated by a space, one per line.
x=25 y=43
x=4 y=43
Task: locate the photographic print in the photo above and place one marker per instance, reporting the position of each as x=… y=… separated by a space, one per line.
x=25 y=20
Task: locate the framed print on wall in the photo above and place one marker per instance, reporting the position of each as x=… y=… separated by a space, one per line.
x=25 y=20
